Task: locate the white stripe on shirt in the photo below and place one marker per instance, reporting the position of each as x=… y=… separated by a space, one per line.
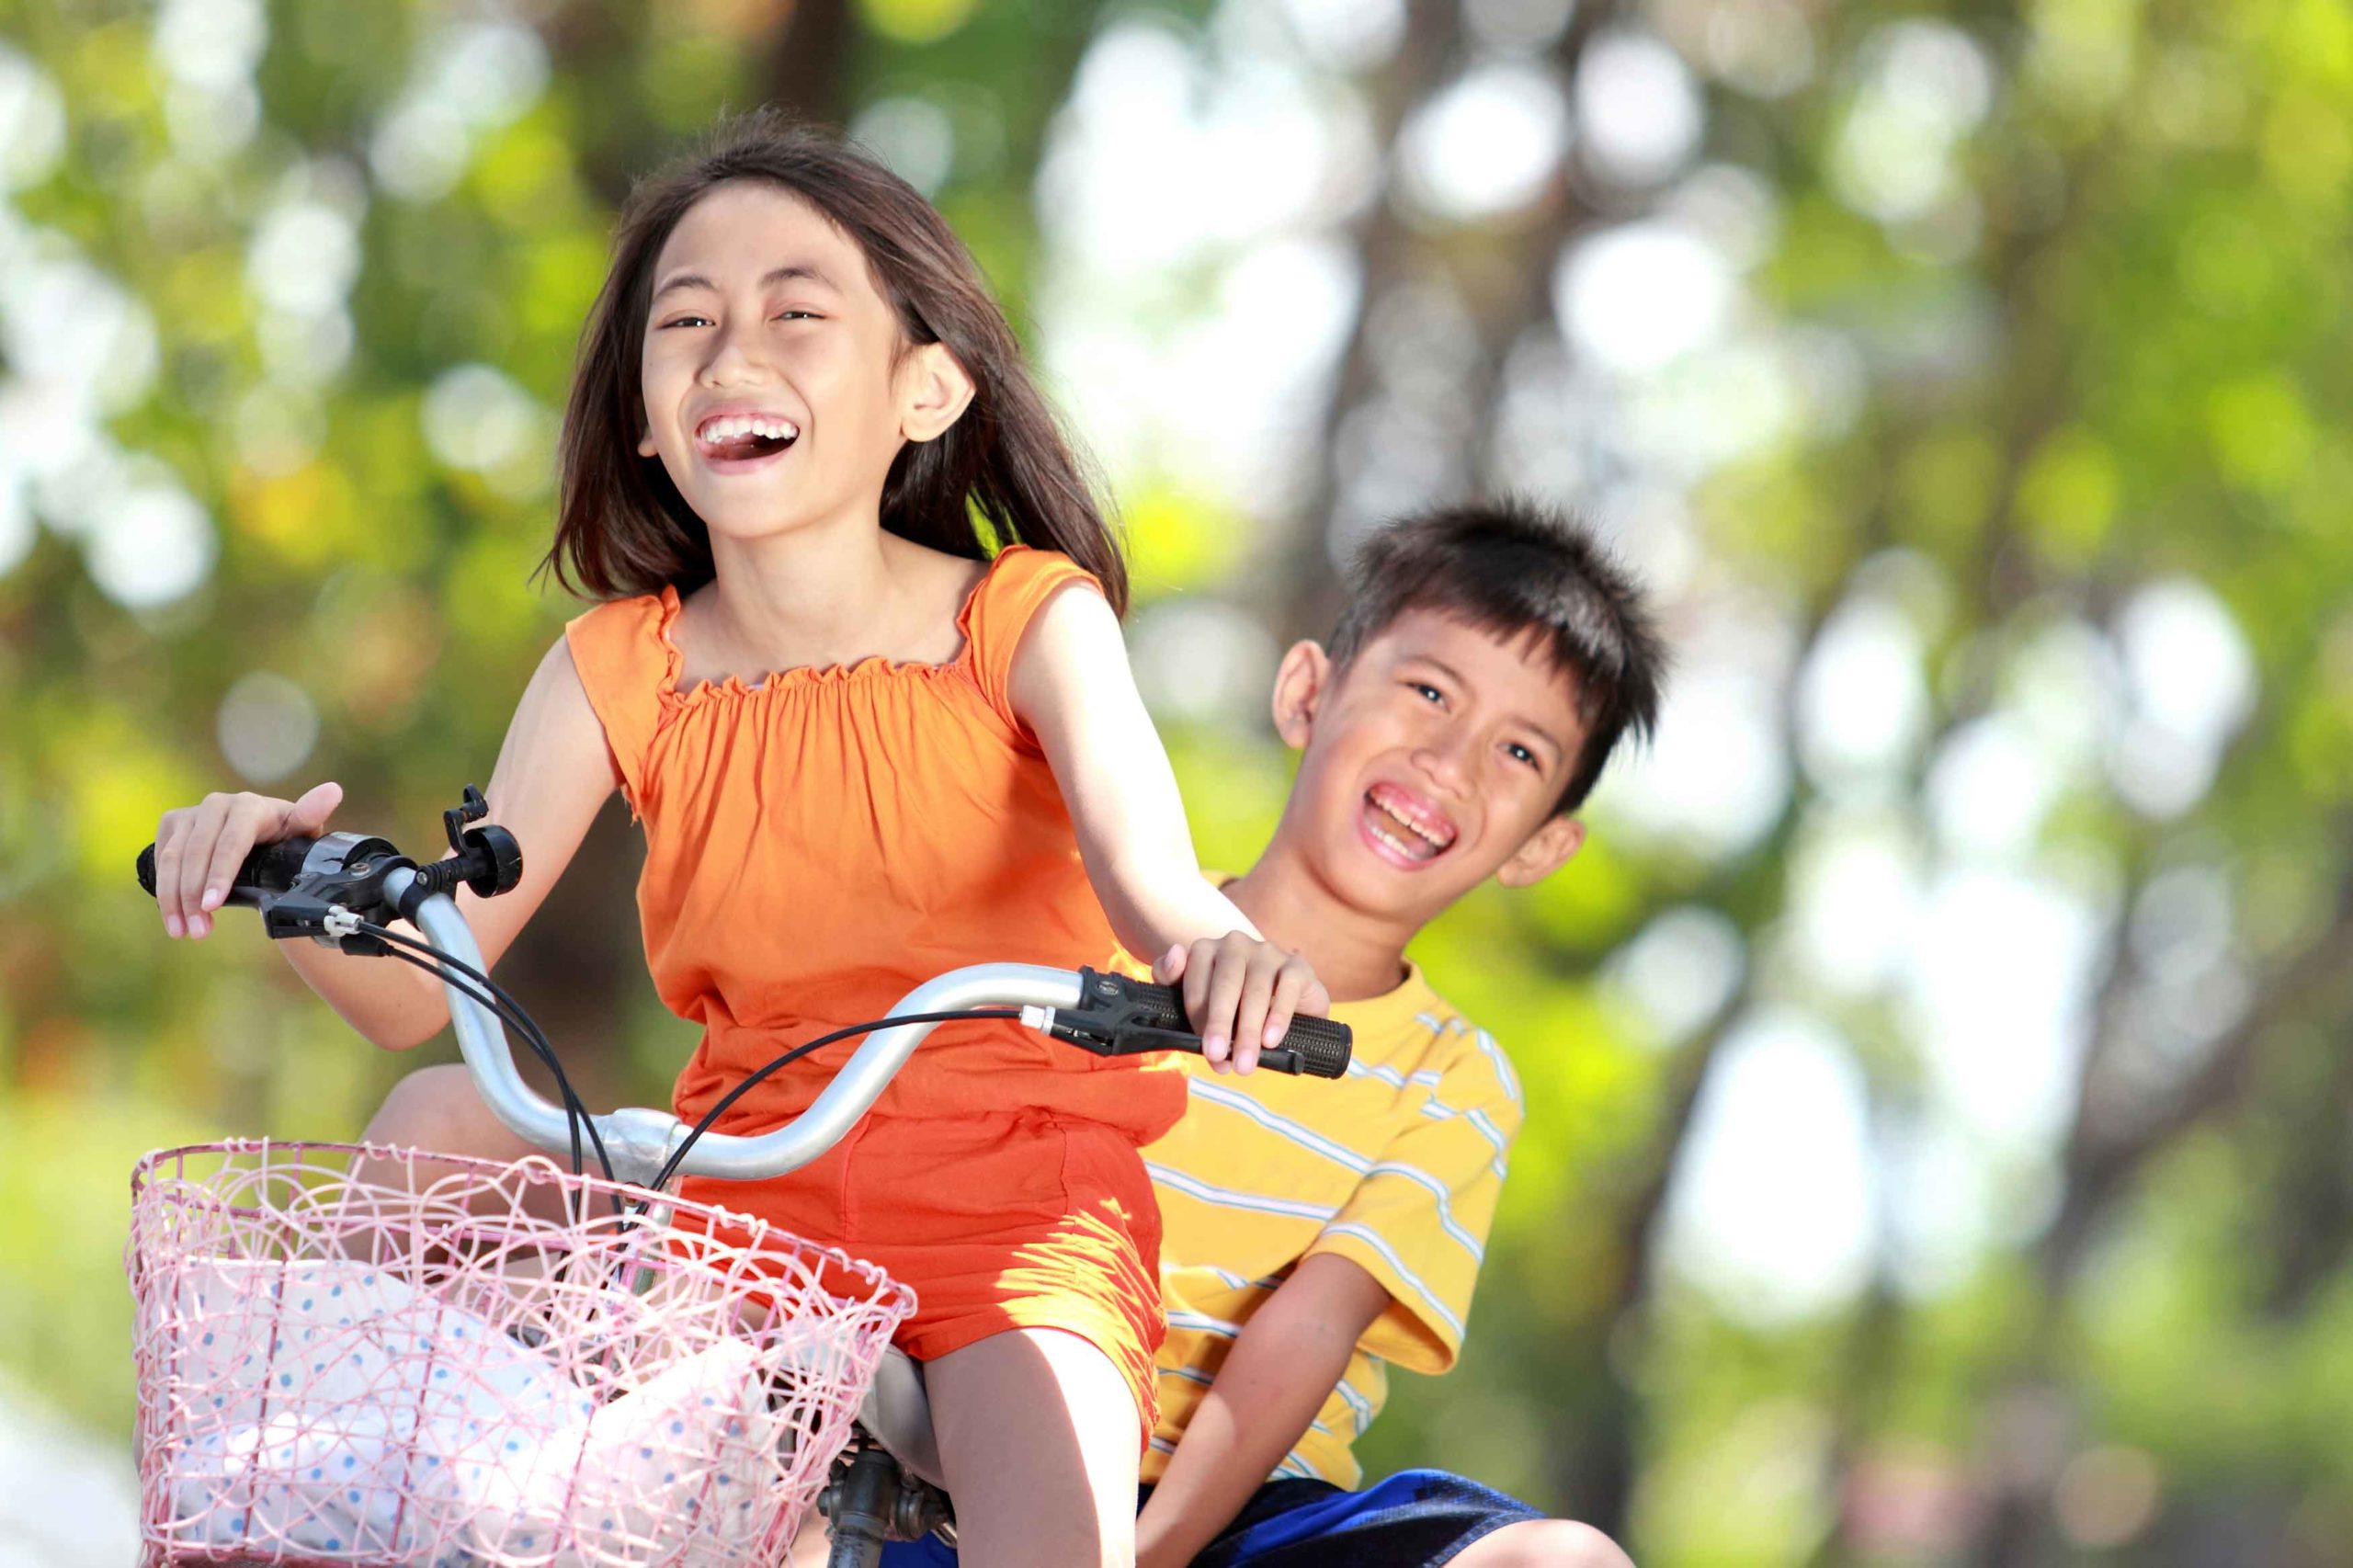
x=1358 y=1406
x=1438 y=1189
x=1224 y=1197
x=1379 y=1244
x=1502 y=1065
x=1428 y=1077
x=1201 y=1322
x=1282 y=1126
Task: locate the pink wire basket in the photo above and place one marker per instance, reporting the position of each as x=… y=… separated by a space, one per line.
x=373 y=1357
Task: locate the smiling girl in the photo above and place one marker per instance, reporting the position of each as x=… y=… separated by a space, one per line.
x=864 y=749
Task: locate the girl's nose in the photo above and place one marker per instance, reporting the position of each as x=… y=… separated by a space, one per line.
x=734 y=360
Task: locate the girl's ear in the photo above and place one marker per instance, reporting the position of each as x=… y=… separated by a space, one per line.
x=645 y=447
x=934 y=390
x=1300 y=685
x=1547 y=850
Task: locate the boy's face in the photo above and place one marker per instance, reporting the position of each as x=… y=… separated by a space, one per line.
x=1433 y=762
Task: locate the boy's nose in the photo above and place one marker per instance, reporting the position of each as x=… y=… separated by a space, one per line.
x=1445 y=759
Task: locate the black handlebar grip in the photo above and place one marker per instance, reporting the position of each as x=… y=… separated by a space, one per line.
x=1323 y=1047
x=1317 y=1047
x=1156 y=1006
x=267 y=869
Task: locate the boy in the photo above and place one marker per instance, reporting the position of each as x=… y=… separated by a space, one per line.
x=1488 y=661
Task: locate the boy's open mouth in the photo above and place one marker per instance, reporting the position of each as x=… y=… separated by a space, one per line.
x=1410 y=830
x=737 y=437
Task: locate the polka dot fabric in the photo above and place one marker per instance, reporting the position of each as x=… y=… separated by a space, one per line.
x=352 y=1373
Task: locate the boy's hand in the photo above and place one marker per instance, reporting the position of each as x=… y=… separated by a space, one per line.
x=1241 y=994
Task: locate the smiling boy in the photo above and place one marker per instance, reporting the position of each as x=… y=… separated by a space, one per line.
x=1489 y=660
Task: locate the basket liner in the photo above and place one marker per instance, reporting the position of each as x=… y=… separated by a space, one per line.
x=347 y=1370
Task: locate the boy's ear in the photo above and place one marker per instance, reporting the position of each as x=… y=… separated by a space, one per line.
x=934 y=390
x=1548 y=849
x=1301 y=682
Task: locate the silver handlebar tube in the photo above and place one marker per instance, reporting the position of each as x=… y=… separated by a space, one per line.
x=641 y=1139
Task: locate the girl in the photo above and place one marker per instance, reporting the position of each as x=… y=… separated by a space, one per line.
x=863 y=751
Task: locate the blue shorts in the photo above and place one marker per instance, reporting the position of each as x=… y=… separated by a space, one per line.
x=1416 y=1518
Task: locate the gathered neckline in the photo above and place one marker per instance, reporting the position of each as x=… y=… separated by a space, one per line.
x=873 y=668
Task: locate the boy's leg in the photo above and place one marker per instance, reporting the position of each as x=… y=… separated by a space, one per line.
x=1543 y=1543
x=1038 y=1435
x=1412 y=1519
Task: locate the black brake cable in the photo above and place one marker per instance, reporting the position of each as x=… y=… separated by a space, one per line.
x=509 y=1011
x=577 y=1113
x=677 y=1155
x=575 y=1110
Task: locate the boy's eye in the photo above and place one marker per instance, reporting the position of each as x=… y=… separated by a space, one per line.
x=1522 y=754
x=1425 y=690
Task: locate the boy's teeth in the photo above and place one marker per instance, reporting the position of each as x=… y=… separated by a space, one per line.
x=1408 y=839
x=1410 y=825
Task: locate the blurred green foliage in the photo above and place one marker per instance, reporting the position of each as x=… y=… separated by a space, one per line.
x=2113 y=351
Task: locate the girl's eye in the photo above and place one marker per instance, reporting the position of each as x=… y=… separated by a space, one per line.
x=686 y=321
x=795 y=315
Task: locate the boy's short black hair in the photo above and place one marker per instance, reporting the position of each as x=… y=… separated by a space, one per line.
x=1518 y=570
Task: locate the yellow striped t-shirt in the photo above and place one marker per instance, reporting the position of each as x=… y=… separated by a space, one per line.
x=1397 y=1166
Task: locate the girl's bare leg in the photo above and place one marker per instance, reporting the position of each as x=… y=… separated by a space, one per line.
x=436 y=1109
x=1038 y=1435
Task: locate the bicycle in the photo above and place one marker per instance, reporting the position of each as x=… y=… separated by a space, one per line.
x=694 y=1337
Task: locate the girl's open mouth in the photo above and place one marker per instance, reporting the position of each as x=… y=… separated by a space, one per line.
x=1402 y=830
x=733 y=439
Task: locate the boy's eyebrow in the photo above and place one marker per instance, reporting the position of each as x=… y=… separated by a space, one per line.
x=1440 y=666
x=1560 y=747
x=794 y=272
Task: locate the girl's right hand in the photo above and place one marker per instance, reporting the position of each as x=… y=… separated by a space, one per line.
x=200 y=847
x=1241 y=994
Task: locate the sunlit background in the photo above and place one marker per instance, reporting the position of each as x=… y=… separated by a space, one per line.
x=1938 y=1065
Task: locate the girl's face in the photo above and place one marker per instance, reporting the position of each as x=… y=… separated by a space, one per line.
x=777 y=385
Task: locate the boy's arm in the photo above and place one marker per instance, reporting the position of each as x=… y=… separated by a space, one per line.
x=1284 y=1365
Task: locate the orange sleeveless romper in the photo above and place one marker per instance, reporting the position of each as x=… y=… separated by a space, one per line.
x=816 y=846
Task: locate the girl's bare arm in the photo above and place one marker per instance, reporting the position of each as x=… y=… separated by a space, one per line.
x=553 y=773
x=1071 y=684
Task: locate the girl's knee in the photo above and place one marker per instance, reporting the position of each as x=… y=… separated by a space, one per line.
x=437 y=1108
x=1545 y=1543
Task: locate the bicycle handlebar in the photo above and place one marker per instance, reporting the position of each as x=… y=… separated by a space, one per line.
x=640 y=1137
x=302 y=886
x=269 y=868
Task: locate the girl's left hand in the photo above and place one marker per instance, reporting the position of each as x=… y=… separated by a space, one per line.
x=1241 y=994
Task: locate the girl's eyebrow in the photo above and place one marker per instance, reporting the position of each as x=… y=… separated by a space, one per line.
x=792 y=272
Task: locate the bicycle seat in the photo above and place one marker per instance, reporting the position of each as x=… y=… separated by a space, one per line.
x=897 y=1415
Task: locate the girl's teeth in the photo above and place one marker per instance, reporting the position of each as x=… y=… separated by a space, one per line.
x=736 y=428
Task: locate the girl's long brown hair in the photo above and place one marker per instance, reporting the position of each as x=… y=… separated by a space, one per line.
x=622 y=527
